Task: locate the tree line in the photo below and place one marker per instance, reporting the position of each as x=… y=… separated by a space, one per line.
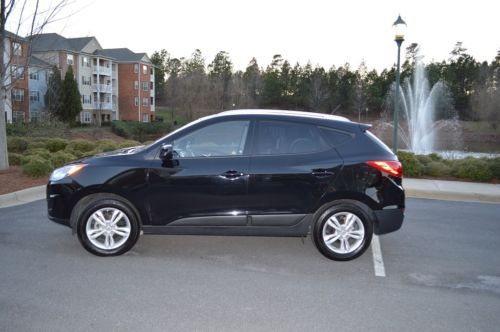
x=193 y=88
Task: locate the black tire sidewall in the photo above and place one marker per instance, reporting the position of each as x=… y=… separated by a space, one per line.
x=323 y=218
x=97 y=204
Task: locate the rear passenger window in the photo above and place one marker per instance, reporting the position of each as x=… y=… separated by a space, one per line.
x=281 y=137
x=335 y=137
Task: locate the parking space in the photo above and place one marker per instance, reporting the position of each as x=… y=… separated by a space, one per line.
x=442 y=273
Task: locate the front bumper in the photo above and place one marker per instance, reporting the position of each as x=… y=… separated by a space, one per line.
x=388 y=220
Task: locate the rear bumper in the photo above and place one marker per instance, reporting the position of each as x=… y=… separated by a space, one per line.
x=388 y=220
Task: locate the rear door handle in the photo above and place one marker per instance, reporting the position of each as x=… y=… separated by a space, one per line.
x=232 y=174
x=321 y=172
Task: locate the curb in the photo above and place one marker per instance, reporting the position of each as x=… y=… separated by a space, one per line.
x=452 y=196
x=22 y=196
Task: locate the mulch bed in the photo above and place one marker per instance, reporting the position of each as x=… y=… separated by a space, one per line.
x=13 y=179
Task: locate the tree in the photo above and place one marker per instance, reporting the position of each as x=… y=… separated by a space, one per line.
x=71 y=104
x=160 y=60
x=36 y=21
x=53 y=95
x=252 y=81
x=220 y=71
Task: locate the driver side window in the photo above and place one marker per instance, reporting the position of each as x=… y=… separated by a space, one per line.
x=216 y=140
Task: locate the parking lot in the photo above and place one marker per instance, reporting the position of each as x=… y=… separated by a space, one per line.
x=442 y=272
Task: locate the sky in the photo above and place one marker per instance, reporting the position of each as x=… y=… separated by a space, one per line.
x=324 y=32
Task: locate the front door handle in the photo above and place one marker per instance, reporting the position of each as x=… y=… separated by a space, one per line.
x=321 y=172
x=232 y=174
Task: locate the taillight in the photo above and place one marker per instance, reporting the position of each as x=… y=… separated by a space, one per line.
x=388 y=166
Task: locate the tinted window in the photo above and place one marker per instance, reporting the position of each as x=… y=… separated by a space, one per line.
x=220 y=139
x=334 y=137
x=280 y=137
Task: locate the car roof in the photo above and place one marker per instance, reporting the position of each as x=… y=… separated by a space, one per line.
x=301 y=114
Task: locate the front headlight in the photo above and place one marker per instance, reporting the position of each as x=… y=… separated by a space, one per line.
x=65 y=171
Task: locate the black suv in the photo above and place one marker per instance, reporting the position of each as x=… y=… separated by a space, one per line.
x=253 y=172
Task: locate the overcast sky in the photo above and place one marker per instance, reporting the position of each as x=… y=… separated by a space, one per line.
x=324 y=32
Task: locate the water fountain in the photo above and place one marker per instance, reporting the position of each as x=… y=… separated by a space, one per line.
x=418 y=102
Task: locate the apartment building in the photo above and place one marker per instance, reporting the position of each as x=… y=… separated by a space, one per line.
x=16 y=102
x=136 y=84
x=38 y=76
x=115 y=84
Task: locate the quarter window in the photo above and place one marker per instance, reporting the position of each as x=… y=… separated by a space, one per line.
x=280 y=137
x=216 y=140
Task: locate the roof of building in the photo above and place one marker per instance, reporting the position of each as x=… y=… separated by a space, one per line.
x=9 y=34
x=37 y=62
x=123 y=55
x=54 y=42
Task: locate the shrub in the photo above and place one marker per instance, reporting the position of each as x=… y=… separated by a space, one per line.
x=107 y=145
x=36 y=145
x=15 y=159
x=435 y=157
x=60 y=158
x=17 y=144
x=423 y=159
x=140 y=131
x=128 y=143
x=494 y=165
x=411 y=165
x=80 y=145
x=472 y=168
x=56 y=144
x=437 y=169
x=45 y=154
x=37 y=167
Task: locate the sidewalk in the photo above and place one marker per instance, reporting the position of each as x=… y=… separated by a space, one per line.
x=420 y=188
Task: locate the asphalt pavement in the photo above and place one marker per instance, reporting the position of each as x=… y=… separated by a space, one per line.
x=442 y=274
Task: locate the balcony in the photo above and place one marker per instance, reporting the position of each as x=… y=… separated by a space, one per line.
x=103 y=106
x=104 y=88
x=101 y=70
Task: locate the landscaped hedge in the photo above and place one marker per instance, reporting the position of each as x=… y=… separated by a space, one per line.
x=140 y=131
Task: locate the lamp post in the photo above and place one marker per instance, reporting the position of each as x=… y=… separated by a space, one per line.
x=399 y=29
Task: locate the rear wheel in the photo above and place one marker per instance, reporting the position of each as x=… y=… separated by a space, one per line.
x=342 y=231
x=107 y=226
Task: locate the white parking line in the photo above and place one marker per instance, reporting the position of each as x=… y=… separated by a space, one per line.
x=378 y=260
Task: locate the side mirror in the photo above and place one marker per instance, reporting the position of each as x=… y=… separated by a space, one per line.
x=166 y=152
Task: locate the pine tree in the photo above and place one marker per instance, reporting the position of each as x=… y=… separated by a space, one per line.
x=53 y=95
x=71 y=104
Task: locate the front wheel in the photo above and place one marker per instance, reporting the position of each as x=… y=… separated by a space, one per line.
x=343 y=232
x=107 y=227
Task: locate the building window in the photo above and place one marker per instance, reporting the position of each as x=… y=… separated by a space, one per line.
x=86 y=118
x=34 y=116
x=145 y=101
x=34 y=76
x=17 y=49
x=136 y=85
x=18 y=72
x=151 y=86
x=34 y=96
x=152 y=101
x=18 y=117
x=85 y=61
x=18 y=94
x=69 y=59
x=136 y=101
x=86 y=80
x=151 y=71
x=145 y=118
x=136 y=67
x=87 y=99
x=144 y=69
x=145 y=86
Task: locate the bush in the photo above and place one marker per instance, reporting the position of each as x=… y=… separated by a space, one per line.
x=45 y=154
x=15 y=159
x=60 y=158
x=437 y=169
x=423 y=159
x=17 y=144
x=37 y=167
x=473 y=169
x=411 y=165
x=140 y=131
x=36 y=145
x=56 y=144
x=435 y=157
x=80 y=145
x=107 y=145
x=128 y=144
x=494 y=165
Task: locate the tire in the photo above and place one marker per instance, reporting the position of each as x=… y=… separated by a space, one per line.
x=342 y=231
x=107 y=225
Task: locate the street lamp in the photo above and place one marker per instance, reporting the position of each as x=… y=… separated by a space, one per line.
x=399 y=36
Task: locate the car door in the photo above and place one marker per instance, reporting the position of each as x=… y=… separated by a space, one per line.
x=290 y=169
x=207 y=183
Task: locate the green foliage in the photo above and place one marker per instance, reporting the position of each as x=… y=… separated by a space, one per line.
x=53 y=97
x=107 y=145
x=36 y=145
x=411 y=165
x=140 y=131
x=71 y=104
x=56 y=144
x=36 y=166
x=437 y=169
x=15 y=159
x=39 y=152
x=17 y=144
x=128 y=144
x=494 y=165
x=472 y=168
x=80 y=146
x=60 y=158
